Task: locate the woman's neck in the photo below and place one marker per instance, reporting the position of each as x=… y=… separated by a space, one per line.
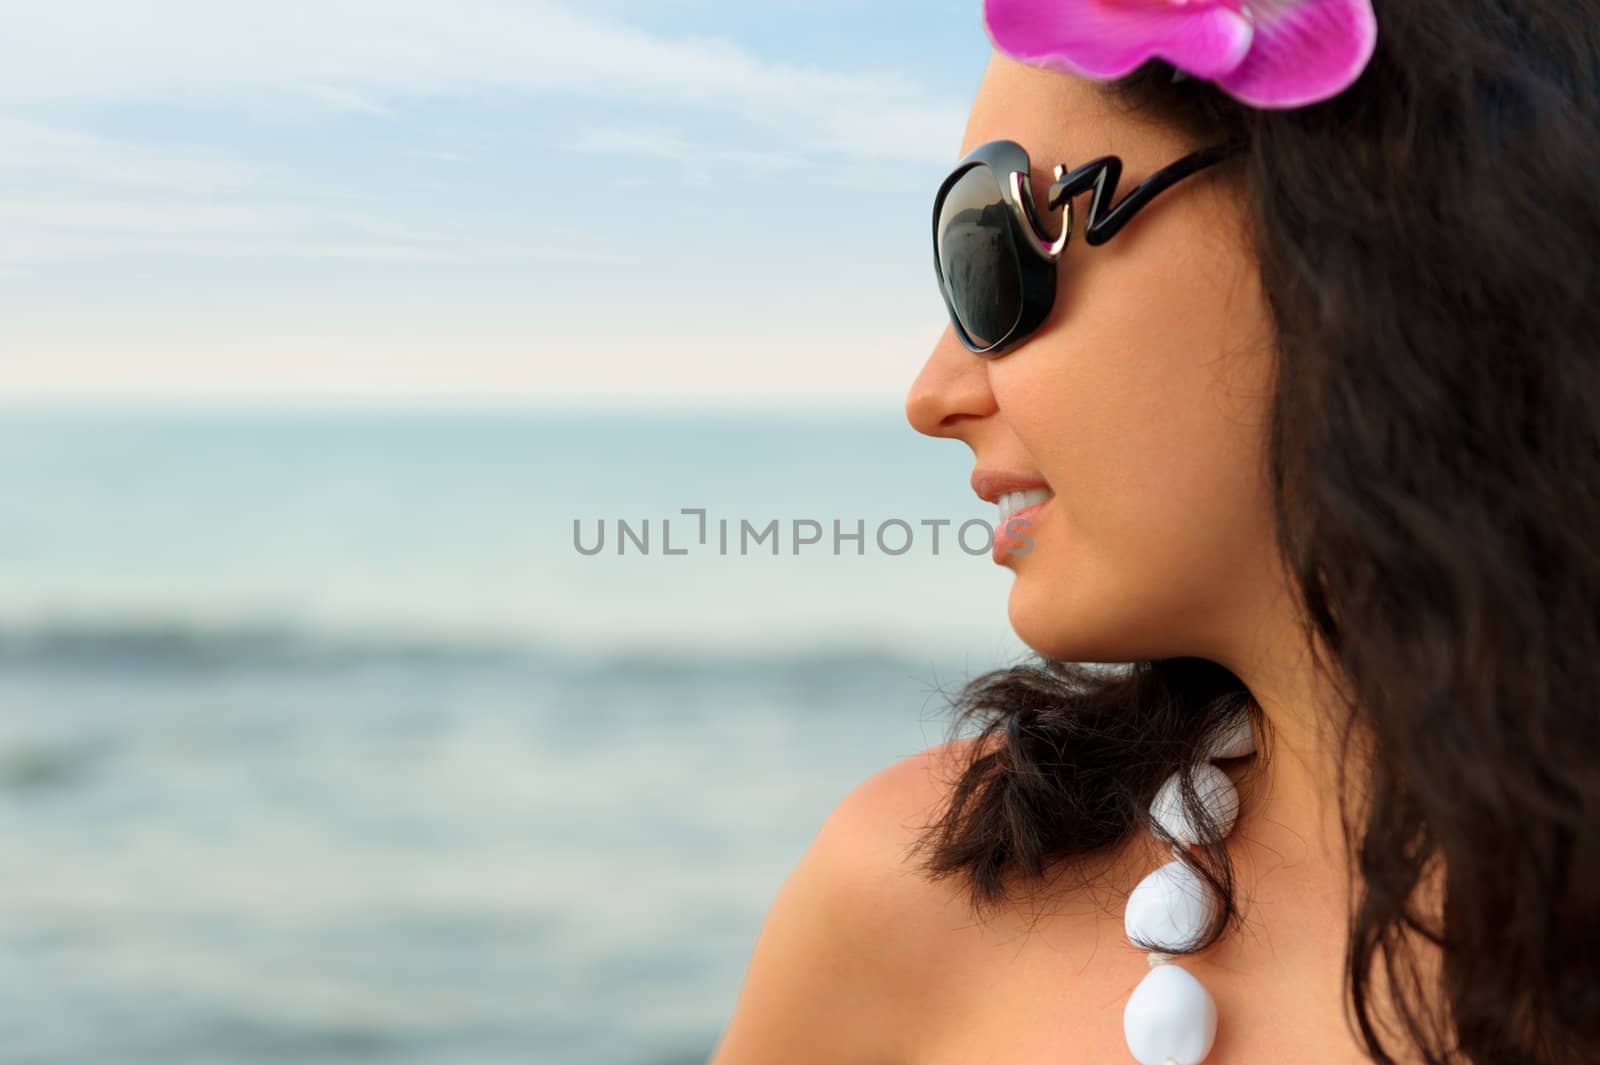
x=1294 y=792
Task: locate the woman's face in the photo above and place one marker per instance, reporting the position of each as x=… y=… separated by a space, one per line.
x=1142 y=402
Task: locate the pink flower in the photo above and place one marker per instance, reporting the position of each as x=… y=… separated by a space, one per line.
x=1266 y=53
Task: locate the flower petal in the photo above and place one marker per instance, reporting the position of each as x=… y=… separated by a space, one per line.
x=1304 y=51
x=1109 y=38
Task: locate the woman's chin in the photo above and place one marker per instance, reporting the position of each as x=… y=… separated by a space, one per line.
x=1067 y=627
x=1047 y=627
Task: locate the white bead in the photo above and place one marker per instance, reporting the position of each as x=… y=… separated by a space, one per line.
x=1237 y=739
x=1170 y=1017
x=1217 y=794
x=1170 y=910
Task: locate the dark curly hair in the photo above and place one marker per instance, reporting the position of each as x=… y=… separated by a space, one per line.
x=1428 y=244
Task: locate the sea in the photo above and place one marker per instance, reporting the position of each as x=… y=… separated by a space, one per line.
x=447 y=737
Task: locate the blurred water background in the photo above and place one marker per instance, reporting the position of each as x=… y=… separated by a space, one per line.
x=320 y=741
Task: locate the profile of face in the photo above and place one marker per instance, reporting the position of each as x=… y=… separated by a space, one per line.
x=1142 y=403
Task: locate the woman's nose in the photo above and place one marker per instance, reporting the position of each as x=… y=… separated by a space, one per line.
x=952 y=390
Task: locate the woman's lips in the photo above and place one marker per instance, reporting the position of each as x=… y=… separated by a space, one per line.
x=1020 y=496
x=1014 y=536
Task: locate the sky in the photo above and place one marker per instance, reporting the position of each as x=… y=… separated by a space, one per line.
x=475 y=201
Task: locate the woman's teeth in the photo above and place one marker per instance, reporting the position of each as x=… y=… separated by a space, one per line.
x=1012 y=502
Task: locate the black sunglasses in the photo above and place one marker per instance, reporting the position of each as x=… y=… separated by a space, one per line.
x=996 y=266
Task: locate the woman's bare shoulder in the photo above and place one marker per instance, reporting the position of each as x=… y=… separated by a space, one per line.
x=888 y=811
x=936 y=948
x=879 y=832
x=836 y=971
x=868 y=852
x=865 y=959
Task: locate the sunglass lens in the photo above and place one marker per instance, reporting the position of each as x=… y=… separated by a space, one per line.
x=978 y=261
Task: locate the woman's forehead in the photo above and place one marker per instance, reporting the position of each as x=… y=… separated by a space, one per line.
x=1060 y=118
x=1046 y=112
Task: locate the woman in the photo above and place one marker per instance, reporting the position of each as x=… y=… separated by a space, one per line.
x=1318 y=435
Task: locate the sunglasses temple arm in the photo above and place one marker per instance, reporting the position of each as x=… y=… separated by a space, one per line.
x=1044 y=245
x=1102 y=175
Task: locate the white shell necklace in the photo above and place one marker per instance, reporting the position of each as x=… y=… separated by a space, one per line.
x=1170 y=1018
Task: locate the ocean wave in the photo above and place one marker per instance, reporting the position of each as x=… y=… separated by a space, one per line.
x=174 y=641
x=47 y=766
x=182 y=643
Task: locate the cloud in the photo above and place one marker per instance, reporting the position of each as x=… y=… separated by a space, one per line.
x=39 y=230
x=345 y=100
x=377 y=54
x=37 y=150
x=659 y=142
x=140 y=264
